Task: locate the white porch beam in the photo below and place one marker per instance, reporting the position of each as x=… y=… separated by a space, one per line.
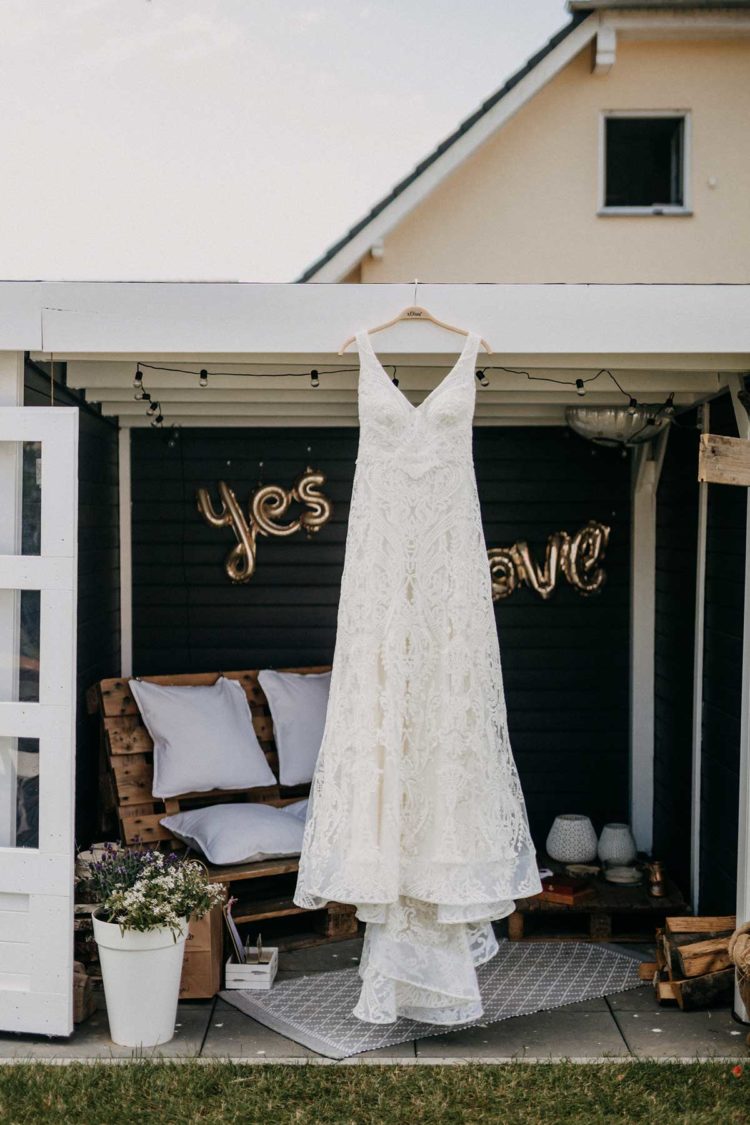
x=646 y=469
x=594 y=321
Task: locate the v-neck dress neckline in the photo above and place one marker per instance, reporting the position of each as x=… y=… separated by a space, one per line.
x=470 y=347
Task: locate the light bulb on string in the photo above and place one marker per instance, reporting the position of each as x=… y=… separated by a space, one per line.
x=632 y=406
x=314 y=378
x=580 y=387
x=203 y=378
x=138 y=377
x=483 y=380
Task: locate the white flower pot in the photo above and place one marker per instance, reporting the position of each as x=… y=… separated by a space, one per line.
x=616 y=844
x=141 y=974
x=572 y=839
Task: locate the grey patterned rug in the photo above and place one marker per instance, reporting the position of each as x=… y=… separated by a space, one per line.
x=523 y=977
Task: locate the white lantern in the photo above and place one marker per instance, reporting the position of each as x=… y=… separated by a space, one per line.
x=572 y=839
x=616 y=844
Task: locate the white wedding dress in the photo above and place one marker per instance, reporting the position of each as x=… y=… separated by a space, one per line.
x=416 y=811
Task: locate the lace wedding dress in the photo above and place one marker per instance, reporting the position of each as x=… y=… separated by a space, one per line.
x=416 y=811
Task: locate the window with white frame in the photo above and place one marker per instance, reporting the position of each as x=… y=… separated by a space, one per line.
x=644 y=161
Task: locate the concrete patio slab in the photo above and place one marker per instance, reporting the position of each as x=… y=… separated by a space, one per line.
x=91 y=1040
x=232 y=1035
x=564 y=1032
x=670 y=1033
x=321 y=958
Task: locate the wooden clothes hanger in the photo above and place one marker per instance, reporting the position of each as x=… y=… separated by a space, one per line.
x=415 y=312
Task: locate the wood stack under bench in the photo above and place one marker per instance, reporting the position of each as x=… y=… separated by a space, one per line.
x=266 y=887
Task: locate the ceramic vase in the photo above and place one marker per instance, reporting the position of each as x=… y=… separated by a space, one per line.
x=616 y=844
x=572 y=839
x=141 y=973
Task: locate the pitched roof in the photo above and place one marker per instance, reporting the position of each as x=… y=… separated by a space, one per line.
x=463 y=128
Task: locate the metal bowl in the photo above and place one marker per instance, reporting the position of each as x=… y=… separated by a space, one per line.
x=616 y=425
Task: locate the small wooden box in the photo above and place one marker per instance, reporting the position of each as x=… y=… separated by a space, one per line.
x=253 y=976
x=201 y=966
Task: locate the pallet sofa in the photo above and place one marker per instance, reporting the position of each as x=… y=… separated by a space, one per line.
x=263 y=889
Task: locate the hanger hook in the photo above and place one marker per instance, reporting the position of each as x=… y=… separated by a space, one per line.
x=416 y=284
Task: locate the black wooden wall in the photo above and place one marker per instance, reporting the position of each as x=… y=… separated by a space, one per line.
x=676 y=541
x=565 y=661
x=722 y=683
x=98 y=579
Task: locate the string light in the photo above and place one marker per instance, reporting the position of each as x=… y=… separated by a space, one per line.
x=153 y=411
x=579 y=383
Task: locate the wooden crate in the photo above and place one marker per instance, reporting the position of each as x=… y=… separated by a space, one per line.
x=126 y=782
x=201 y=966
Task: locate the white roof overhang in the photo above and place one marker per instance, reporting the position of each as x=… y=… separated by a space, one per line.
x=656 y=339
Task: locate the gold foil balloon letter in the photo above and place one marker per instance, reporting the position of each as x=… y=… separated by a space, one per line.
x=268 y=504
x=578 y=557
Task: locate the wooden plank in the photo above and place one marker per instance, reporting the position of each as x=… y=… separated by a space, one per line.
x=250 y=911
x=646 y=970
x=700 y=924
x=724 y=460
x=254 y=870
x=143 y=829
x=664 y=991
x=126 y=735
x=704 y=991
x=132 y=767
x=704 y=956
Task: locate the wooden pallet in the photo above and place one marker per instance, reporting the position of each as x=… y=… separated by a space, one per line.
x=610 y=913
x=126 y=773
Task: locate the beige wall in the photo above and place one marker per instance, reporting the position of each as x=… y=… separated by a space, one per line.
x=523 y=208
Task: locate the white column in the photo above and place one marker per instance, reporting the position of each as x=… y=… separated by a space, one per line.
x=700 y=611
x=736 y=384
x=647 y=462
x=11 y=482
x=126 y=556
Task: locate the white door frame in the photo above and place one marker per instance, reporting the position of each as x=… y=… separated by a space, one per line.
x=11 y=481
x=36 y=884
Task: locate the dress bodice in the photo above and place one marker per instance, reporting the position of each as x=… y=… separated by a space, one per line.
x=415 y=439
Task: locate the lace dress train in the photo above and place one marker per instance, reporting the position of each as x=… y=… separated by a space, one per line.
x=416 y=811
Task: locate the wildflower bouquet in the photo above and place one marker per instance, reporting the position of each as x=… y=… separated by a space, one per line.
x=146 y=890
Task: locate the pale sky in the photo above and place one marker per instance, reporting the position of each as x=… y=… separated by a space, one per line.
x=228 y=139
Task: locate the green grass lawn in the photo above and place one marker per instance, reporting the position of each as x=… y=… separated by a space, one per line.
x=105 y=1094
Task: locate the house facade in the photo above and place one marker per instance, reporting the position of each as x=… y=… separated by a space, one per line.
x=618 y=154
